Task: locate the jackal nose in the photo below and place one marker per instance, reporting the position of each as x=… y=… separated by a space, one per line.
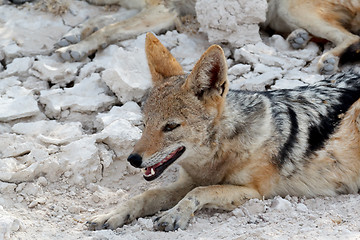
x=135 y=160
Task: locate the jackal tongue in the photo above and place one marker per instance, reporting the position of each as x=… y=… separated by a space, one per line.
x=150 y=173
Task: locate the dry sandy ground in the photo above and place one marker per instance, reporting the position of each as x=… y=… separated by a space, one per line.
x=66 y=128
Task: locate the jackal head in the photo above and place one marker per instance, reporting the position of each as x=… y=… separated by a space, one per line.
x=182 y=112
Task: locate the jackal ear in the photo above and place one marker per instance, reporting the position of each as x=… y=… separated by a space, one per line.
x=161 y=63
x=209 y=76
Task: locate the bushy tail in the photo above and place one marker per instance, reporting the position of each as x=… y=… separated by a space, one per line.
x=349 y=79
x=351 y=54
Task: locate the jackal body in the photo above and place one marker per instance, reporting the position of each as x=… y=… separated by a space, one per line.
x=235 y=145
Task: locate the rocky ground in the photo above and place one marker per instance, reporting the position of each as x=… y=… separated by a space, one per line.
x=66 y=129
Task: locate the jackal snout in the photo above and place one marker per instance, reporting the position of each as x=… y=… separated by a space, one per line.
x=135 y=160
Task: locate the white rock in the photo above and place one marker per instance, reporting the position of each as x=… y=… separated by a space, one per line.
x=269 y=56
x=7 y=83
x=139 y=42
x=51 y=68
x=261 y=68
x=309 y=53
x=28 y=34
x=50 y=131
x=33 y=204
x=7 y=168
x=74 y=209
x=233 y=21
x=90 y=95
x=282 y=62
x=19 y=66
x=31 y=189
x=281 y=204
x=82 y=158
x=126 y=72
x=287 y=84
x=239 y=69
x=42 y=181
x=130 y=111
x=256 y=83
x=35 y=160
x=308 y=78
x=35 y=84
x=15 y=91
x=238 y=212
x=12 y=145
x=6 y=188
x=120 y=136
x=301 y=207
x=14 y=171
x=20 y=187
x=106 y=155
x=187 y=50
x=8 y=224
x=19 y=107
x=279 y=43
x=68 y=174
x=244 y=55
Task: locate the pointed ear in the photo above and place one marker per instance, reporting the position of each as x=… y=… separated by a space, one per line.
x=209 y=76
x=161 y=63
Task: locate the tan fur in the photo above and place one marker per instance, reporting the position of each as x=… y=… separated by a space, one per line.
x=161 y=63
x=331 y=20
x=337 y=164
x=223 y=173
x=200 y=69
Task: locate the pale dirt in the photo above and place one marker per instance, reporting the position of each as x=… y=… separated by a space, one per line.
x=48 y=206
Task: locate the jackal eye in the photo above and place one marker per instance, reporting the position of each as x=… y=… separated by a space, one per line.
x=170 y=126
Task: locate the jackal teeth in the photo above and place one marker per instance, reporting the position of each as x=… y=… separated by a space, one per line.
x=152 y=171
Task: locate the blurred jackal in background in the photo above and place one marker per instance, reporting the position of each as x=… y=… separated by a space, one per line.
x=337 y=21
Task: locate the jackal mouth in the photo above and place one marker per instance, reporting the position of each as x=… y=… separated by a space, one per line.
x=153 y=172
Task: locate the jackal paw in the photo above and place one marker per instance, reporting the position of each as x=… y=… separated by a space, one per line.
x=72 y=37
x=172 y=220
x=298 y=39
x=109 y=221
x=328 y=64
x=72 y=53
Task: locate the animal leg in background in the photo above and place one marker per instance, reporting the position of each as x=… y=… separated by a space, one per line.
x=155 y=18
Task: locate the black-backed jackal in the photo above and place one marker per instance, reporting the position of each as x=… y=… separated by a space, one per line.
x=235 y=145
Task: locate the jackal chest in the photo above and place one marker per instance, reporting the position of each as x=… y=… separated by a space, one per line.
x=205 y=173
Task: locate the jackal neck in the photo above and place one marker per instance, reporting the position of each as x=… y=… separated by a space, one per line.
x=246 y=121
x=243 y=112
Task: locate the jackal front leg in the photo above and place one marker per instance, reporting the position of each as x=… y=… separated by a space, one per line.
x=226 y=197
x=147 y=203
x=153 y=19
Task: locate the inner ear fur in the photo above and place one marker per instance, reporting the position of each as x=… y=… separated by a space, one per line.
x=161 y=63
x=209 y=76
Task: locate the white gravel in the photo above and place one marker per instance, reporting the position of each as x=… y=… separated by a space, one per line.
x=66 y=129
